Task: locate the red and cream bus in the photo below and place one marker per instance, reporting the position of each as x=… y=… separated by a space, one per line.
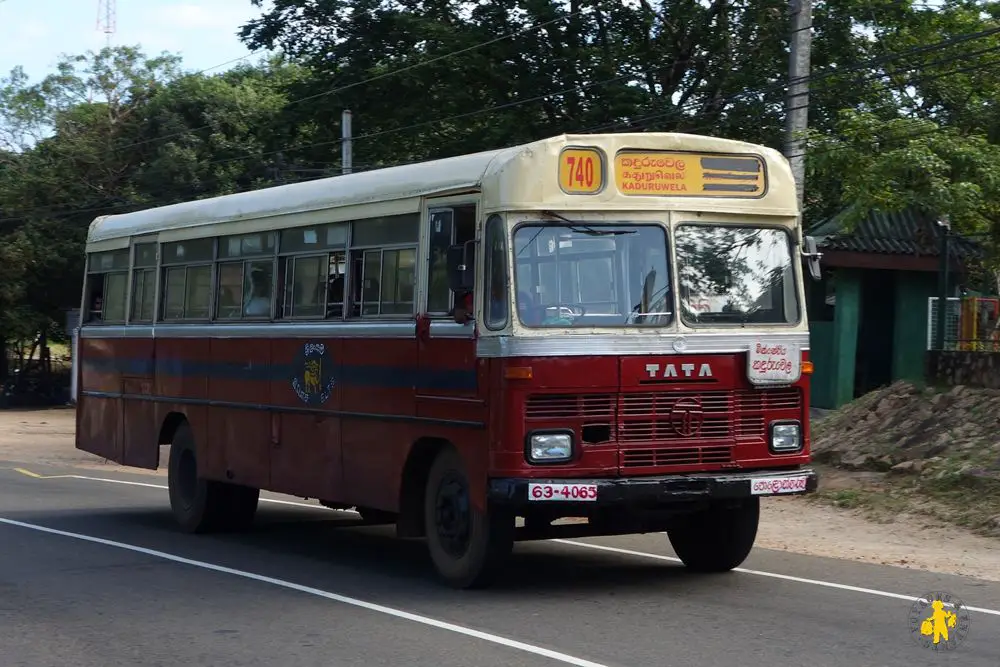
x=609 y=327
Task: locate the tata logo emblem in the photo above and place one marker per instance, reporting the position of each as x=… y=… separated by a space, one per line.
x=670 y=371
x=687 y=416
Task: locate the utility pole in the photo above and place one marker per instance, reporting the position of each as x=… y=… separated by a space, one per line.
x=797 y=100
x=942 y=309
x=346 y=144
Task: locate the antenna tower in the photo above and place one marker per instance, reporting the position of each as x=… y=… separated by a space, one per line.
x=106 y=18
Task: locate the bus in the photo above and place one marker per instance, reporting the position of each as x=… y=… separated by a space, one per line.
x=585 y=335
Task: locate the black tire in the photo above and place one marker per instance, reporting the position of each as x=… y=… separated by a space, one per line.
x=200 y=505
x=718 y=539
x=467 y=547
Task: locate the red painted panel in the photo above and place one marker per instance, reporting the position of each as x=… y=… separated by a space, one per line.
x=174 y=355
x=307 y=457
x=140 y=428
x=97 y=374
x=374 y=454
x=565 y=372
x=238 y=446
x=306 y=460
x=367 y=357
x=100 y=427
x=240 y=374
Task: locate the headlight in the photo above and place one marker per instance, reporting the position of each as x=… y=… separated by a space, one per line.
x=550 y=447
x=786 y=437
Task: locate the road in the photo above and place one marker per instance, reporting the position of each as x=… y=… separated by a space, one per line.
x=93 y=574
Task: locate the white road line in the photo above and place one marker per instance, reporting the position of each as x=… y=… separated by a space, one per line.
x=771 y=575
x=162 y=486
x=370 y=606
x=601 y=547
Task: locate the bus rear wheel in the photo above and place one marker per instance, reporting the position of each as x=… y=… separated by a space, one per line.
x=717 y=539
x=200 y=505
x=467 y=547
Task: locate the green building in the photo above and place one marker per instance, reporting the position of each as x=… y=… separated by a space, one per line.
x=869 y=316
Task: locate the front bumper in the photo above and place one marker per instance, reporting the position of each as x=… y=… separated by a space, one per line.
x=650 y=491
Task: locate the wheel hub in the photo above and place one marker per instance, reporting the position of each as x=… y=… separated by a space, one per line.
x=452 y=515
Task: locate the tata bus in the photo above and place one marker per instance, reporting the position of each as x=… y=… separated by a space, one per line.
x=585 y=335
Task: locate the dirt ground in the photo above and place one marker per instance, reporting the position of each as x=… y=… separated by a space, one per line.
x=789 y=524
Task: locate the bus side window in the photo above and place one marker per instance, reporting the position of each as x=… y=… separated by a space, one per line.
x=187 y=279
x=448 y=227
x=107 y=286
x=383 y=265
x=306 y=275
x=496 y=294
x=143 y=282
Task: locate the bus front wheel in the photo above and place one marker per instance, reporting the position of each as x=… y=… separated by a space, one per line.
x=467 y=547
x=717 y=539
x=201 y=505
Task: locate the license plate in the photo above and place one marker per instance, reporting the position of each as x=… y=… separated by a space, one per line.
x=578 y=492
x=770 y=486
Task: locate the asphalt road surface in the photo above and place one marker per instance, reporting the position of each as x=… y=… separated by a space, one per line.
x=93 y=574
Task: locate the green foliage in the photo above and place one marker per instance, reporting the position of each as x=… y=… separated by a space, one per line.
x=897 y=119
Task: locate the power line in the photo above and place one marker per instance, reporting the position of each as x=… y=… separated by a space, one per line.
x=812 y=77
x=378 y=77
x=162 y=202
x=922 y=49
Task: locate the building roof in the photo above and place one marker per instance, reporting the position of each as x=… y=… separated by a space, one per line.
x=521 y=177
x=907 y=232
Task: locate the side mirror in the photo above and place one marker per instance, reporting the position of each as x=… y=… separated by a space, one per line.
x=461 y=267
x=812 y=255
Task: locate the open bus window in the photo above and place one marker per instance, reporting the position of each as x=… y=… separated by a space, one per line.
x=383 y=265
x=312 y=273
x=336 y=284
x=592 y=275
x=107 y=286
x=732 y=275
x=448 y=227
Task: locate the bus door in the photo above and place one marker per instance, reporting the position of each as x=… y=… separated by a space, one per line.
x=447 y=385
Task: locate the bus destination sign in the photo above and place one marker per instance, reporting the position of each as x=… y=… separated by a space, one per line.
x=689 y=174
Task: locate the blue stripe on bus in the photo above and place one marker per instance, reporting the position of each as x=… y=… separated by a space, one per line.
x=384 y=377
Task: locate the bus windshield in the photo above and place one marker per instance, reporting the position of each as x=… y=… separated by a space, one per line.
x=592 y=275
x=735 y=275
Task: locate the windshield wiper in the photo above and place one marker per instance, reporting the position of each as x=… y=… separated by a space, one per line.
x=587 y=229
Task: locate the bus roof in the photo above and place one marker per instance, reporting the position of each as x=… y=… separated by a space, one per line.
x=510 y=179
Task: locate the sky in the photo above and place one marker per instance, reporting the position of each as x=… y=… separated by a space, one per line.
x=33 y=33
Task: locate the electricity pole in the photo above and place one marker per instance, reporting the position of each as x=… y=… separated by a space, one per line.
x=346 y=144
x=797 y=100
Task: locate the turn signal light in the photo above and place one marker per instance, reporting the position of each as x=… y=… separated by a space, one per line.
x=807 y=367
x=517 y=373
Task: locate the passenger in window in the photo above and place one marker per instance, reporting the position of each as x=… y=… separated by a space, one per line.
x=463 y=307
x=259 y=304
x=97 y=307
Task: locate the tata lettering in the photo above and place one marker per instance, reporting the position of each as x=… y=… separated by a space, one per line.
x=670 y=371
